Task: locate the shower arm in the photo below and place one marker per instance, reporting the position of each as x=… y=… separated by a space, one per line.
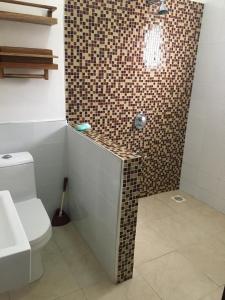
x=153 y=1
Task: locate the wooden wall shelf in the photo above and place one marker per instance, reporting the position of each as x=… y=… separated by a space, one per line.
x=26 y=58
x=28 y=18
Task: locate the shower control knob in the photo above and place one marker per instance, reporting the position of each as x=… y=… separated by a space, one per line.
x=140 y=121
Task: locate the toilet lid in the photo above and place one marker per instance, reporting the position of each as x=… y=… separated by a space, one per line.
x=35 y=220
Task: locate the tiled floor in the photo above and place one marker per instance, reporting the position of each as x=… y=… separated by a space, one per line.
x=180 y=248
x=180 y=255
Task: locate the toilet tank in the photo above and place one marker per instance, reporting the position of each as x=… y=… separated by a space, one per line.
x=17 y=175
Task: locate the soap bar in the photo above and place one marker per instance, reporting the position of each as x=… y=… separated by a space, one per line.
x=83 y=127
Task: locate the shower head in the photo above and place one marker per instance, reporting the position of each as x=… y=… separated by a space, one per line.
x=163 y=10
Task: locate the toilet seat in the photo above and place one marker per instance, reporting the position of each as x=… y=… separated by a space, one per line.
x=35 y=221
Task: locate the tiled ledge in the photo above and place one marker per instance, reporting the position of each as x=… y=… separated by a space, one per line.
x=118 y=150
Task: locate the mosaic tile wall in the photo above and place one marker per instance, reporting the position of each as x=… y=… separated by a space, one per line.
x=128 y=221
x=108 y=81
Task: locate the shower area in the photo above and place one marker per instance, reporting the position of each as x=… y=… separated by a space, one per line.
x=124 y=58
x=130 y=68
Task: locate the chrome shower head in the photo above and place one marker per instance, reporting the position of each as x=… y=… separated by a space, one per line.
x=163 y=10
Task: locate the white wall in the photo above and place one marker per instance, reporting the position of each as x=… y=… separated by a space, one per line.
x=34 y=99
x=203 y=171
x=46 y=142
x=94 y=197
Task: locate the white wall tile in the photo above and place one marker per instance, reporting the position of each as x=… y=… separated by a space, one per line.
x=205 y=138
x=46 y=142
x=190 y=173
x=94 y=196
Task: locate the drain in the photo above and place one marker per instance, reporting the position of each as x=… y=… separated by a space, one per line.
x=178 y=198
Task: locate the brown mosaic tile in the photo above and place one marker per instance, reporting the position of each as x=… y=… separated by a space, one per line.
x=128 y=221
x=118 y=150
x=108 y=83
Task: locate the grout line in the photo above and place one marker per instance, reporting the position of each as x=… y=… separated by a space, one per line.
x=197 y=269
x=208 y=294
x=142 y=277
x=156 y=258
x=67 y=294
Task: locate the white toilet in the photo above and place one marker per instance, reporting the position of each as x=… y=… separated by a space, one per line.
x=17 y=176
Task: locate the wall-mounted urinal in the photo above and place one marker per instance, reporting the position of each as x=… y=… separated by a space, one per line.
x=14 y=247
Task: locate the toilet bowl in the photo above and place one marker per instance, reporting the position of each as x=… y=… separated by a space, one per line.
x=17 y=176
x=38 y=229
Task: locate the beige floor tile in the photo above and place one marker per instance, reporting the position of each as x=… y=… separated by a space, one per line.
x=50 y=250
x=69 y=241
x=215 y=295
x=209 y=257
x=137 y=288
x=174 y=278
x=78 y=295
x=85 y=269
x=56 y=281
x=133 y=289
x=190 y=202
x=149 y=245
x=151 y=209
x=198 y=231
x=177 y=232
x=205 y=218
x=4 y=296
x=220 y=236
x=82 y=264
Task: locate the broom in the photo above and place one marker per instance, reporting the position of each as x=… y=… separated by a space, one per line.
x=60 y=218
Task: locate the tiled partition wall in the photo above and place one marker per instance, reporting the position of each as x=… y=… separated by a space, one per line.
x=108 y=82
x=103 y=194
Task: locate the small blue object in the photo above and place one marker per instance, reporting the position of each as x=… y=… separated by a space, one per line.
x=83 y=127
